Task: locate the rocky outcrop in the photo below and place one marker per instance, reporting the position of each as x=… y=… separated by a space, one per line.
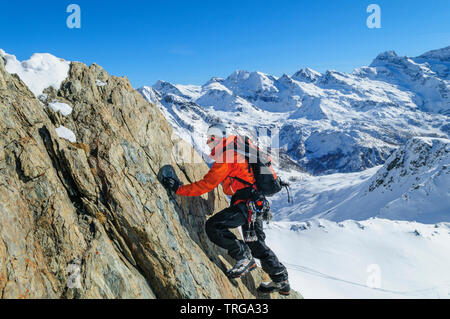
x=89 y=219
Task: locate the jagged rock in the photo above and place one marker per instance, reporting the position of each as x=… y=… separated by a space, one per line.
x=89 y=219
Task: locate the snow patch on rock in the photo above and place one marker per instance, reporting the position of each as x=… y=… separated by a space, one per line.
x=67 y=134
x=41 y=71
x=100 y=83
x=63 y=108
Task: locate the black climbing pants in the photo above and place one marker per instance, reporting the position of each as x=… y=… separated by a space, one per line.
x=217 y=228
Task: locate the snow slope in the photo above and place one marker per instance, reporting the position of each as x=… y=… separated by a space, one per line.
x=392 y=220
x=427 y=76
x=376 y=258
x=413 y=185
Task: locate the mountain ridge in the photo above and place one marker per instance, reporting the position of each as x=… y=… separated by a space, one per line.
x=386 y=103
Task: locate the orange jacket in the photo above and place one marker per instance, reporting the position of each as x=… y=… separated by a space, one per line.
x=227 y=165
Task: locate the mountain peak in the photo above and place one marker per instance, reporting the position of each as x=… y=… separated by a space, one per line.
x=214 y=80
x=165 y=87
x=161 y=85
x=245 y=82
x=387 y=55
x=285 y=78
x=306 y=74
x=238 y=75
x=439 y=54
x=384 y=58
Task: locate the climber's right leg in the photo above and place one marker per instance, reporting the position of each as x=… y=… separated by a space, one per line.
x=218 y=230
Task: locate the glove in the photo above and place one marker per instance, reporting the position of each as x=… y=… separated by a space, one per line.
x=171 y=184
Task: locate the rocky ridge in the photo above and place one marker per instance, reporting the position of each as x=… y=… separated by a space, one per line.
x=88 y=219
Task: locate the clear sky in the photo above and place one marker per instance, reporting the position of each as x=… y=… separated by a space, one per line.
x=191 y=41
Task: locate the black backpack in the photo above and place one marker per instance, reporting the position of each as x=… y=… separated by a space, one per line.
x=266 y=180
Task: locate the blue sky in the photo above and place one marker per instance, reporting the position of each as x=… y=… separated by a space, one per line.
x=191 y=41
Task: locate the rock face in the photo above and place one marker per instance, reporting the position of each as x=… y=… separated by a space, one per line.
x=89 y=219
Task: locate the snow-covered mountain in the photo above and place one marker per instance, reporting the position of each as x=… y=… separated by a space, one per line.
x=41 y=71
x=326 y=123
x=375 y=258
x=413 y=185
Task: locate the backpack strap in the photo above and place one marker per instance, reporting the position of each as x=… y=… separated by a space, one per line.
x=242 y=181
x=247 y=151
x=227 y=147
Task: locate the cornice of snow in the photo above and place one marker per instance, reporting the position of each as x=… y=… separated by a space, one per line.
x=41 y=71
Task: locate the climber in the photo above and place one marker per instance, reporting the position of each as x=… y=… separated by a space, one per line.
x=232 y=170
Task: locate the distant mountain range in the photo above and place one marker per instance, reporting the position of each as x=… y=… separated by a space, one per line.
x=325 y=123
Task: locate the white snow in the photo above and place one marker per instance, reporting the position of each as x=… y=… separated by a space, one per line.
x=413 y=185
x=100 y=83
x=307 y=74
x=41 y=71
x=150 y=94
x=63 y=108
x=376 y=258
x=66 y=134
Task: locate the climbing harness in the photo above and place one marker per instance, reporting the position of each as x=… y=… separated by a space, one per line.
x=257 y=209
